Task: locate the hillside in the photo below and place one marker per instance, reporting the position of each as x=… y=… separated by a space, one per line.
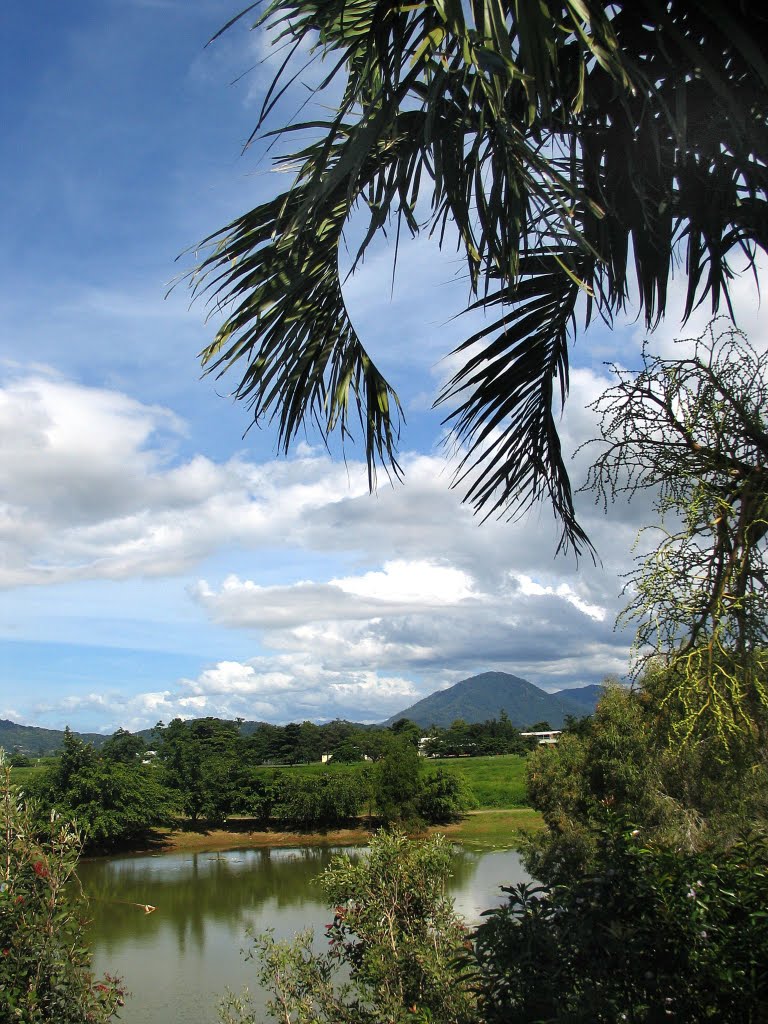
x=482 y=697
x=585 y=697
x=36 y=742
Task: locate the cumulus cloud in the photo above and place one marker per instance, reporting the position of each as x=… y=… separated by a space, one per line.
x=552 y=631
x=278 y=689
x=400 y=588
x=93 y=488
x=89 y=488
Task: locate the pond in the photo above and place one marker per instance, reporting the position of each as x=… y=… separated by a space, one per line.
x=179 y=960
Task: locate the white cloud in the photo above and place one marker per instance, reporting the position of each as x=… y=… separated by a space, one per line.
x=745 y=292
x=92 y=488
x=564 y=591
x=89 y=489
x=280 y=689
x=421 y=582
x=553 y=629
x=400 y=588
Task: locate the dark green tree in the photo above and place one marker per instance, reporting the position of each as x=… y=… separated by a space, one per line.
x=347 y=752
x=113 y=802
x=651 y=935
x=397 y=782
x=577 y=149
x=75 y=756
x=123 y=746
x=443 y=797
x=197 y=759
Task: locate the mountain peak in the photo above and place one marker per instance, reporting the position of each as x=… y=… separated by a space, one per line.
x=484 y=696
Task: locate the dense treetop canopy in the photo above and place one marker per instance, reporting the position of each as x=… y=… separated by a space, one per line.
x=577 y=148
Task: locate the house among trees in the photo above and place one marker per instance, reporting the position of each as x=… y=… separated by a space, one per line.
x=544 y=737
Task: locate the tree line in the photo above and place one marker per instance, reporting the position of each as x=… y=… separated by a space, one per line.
x=202 y=773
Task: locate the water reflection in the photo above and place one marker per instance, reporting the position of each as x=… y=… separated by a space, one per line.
x=179 y=959
x=194 y=891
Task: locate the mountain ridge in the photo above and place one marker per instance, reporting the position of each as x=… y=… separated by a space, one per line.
x=36 y=740
x=484 y=696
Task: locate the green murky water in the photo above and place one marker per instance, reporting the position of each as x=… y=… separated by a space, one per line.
x=177 y=961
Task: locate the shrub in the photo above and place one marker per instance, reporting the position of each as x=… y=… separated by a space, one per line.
x=394 y=940
x=45 y=975
x=443 y=797
x=654 y=935
x=314 y=801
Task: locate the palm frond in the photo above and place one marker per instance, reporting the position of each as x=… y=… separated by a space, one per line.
x=574 y=145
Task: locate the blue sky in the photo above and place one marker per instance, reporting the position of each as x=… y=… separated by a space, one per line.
x=155 y=562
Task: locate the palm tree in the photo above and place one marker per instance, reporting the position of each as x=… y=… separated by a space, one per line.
x=579 y=148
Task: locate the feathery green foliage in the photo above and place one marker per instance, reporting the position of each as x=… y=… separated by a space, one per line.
x=694 y=430
x=392 y=943
x=627 y=761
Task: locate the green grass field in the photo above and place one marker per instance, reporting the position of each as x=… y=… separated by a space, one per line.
x=495 y=782
x=22 y=776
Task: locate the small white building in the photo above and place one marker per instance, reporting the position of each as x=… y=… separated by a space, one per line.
x=545 y=738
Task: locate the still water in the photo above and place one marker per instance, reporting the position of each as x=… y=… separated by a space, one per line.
x=177 y=961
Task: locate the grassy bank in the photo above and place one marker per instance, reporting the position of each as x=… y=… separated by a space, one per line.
x=488 y=830
x=498 y=829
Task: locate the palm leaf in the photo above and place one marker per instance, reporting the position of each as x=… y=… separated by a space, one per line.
x=573 y=145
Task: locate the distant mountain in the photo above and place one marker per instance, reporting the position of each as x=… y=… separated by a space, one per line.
x=482 y=697
x=475 y=700
x=37 y=742
x=585 y=697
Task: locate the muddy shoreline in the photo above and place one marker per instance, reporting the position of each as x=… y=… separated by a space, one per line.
x=494 y=829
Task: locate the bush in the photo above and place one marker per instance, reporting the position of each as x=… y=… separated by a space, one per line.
x=394 y=940
x=314 y=801
x=655 y=935
x=443 y=797
x=45 y=975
